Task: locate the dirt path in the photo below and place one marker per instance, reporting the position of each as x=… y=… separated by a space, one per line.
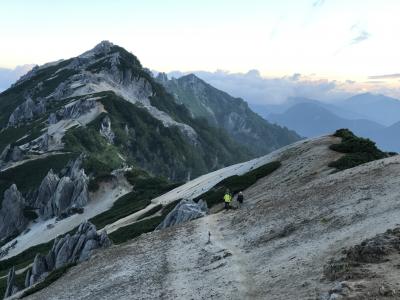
x=238 y=262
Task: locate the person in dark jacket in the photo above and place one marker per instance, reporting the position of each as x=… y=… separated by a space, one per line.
x=240 y=198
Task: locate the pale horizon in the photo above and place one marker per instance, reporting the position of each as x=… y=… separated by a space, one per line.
x=344 y=42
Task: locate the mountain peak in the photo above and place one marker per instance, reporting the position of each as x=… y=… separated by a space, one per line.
x=191 y=77
x=104 y=47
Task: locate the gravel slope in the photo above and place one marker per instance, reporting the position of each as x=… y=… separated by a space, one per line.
x=275 y=247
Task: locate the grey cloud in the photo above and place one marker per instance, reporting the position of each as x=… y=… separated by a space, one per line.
x=362 y=36
x=9 y=76
x=385 y=76
x=318 y=3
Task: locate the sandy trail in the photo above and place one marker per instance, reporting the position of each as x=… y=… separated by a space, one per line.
x=228 y=242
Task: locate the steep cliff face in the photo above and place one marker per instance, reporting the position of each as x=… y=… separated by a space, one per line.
x=12 y=219
x=231 y=114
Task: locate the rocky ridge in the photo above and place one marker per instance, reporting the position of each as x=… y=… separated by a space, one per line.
x=68 y=250
x=184 y=211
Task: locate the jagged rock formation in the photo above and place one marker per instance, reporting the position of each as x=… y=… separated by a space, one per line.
x=106 y=130
x=11 y=154
x=186 y=210
x=12 y=219
x=66 y=250
x=11 y=284
x=73 y=110
x=27 y=111
x=69 y=249
x=61 y=196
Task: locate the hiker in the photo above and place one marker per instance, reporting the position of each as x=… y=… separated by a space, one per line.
x=227 y=199
x=240 y=199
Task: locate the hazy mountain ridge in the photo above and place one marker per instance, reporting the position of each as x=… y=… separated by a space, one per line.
x=231 y=114
x=312 y=118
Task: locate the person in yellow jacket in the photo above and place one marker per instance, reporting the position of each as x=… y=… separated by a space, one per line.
x=227 y=199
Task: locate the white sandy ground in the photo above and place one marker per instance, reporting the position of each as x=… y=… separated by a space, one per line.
x=99 y=202
x=328 y=212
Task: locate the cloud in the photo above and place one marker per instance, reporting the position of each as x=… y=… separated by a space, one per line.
x=318 y=3
x=375 y=81
x=255 y=89
x=385 y=76
x=9 y=76
x=361 y=34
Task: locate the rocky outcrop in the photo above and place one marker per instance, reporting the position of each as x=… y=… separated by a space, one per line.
x=69 y=249
x=11 y=154
x=47 y=188
x=11 y=284
x=106 y=130
x=12 y=219
x=74 y=110
x=186 y=210
x=61 y=196
x=27 y=111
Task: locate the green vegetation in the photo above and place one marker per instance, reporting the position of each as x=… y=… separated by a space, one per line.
x=10 y=135
x=102 y=157
x=95 y=181
x=237 y=183
x=134 y=230
x=151 y=212
x=146 y=143
x=14 y=96
x=30 y=213
x=53 y=276
x=357 y=150
x=145 y=189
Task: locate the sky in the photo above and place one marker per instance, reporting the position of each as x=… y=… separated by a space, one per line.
x=353 y=42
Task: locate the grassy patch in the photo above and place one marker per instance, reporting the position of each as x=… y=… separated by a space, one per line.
x=101 y=157
x=132 y=231
x=30 y=214
x=357 y=150
x=151 y=212
x=145 y=189
x=95 y=182
x=237 y=183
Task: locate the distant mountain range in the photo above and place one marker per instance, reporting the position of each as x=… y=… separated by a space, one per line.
x=230 y=114
x=373 y=116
